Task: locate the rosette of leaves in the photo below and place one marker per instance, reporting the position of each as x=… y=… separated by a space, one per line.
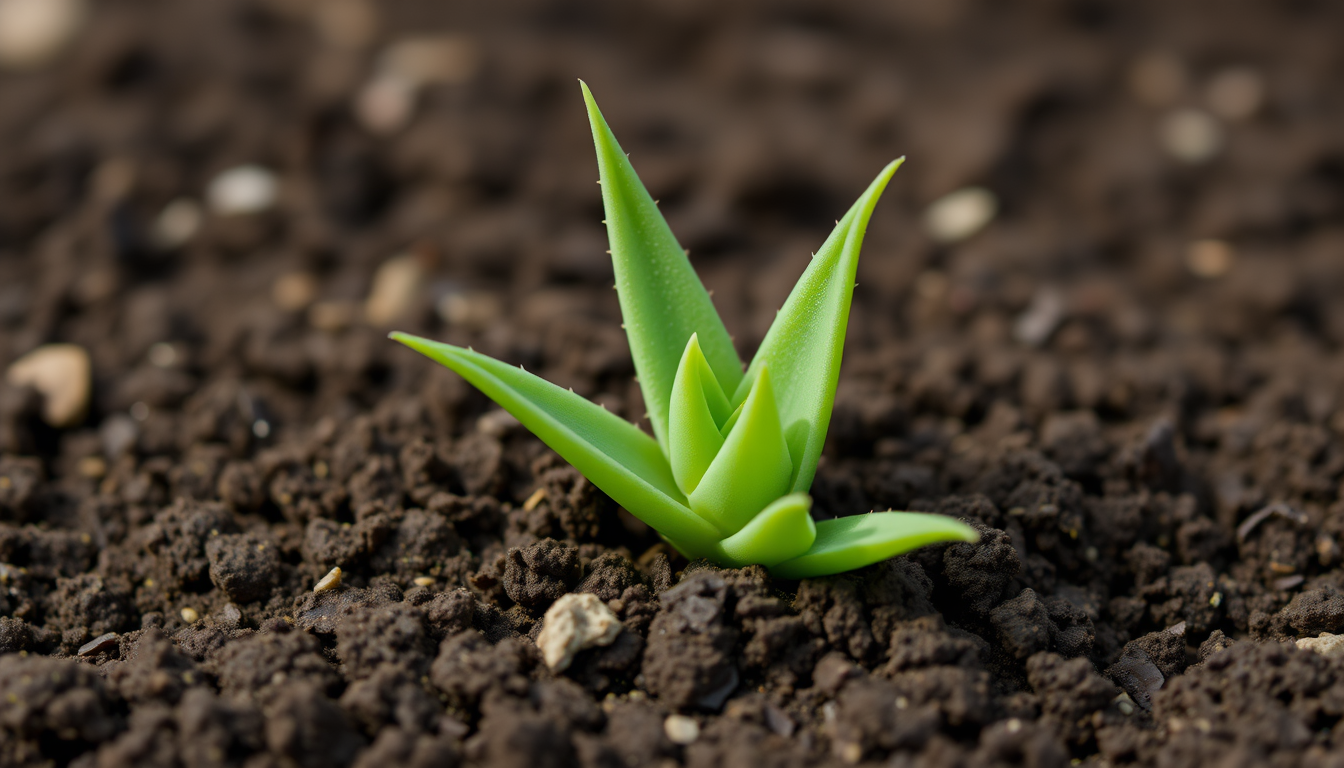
x=733 y=453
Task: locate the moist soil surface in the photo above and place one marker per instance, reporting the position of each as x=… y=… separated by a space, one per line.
x=1130 y=382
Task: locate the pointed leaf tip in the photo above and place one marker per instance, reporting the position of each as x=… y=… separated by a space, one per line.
x=805 y=343
x=662 y=300
x=697 y=410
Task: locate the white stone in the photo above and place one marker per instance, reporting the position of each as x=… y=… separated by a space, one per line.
x=1034 y=326
x=573 y=623
x=681 y=729
x=1191 y=136
x=394 y=287
x=331 y=581
x=243 y=189
x=959 y=215
x=1327 y=644
x=63 y=375
x=33 y=32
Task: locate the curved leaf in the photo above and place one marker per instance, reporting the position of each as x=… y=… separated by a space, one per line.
x=662 y=299
x=804 y=344
x=847 y=543
x=610 y=451
x=782 y=531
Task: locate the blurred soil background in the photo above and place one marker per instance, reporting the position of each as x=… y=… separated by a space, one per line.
x=1098 y=316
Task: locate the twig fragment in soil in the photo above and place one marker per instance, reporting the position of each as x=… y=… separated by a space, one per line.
x=1278 y=508
x=100 y=644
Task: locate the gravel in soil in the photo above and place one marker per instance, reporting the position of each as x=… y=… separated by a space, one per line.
x=1097 y=319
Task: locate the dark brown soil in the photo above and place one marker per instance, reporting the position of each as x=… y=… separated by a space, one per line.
x=1110 y=399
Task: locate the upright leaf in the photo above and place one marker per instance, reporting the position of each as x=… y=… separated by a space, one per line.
x=698 y=408
x=804 y=345
x=610 y=451
x=752 y=468
x=662 y=300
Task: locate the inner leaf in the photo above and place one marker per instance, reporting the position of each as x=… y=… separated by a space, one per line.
x=697 y=409
x=753 y=467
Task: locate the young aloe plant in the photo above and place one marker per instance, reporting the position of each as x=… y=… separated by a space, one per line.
x=727 y=472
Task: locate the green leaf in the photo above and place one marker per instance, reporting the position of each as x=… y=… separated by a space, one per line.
x=847 y=543
x=698 y=408
x=751 y=470
x=782 y=531
x=610 y=451
x=662 y=299
x=804 y=344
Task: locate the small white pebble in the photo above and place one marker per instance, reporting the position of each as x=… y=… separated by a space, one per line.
x=1125 y=704
x=1326 y=644
x=573 y=623
x=423 y=581
x=1208 y=259
x=243 y=189
x=179 y=221
x=190 y=615
x=1035 y=325
x=959 y=215
x=1013 y=725
x=331 y=581
x=393 y=291
x=34 y=32
x=1236 y=93
x=62 y=375
x=1191 y=136
x=261 y=428
x=162 y=355
x=681 y=729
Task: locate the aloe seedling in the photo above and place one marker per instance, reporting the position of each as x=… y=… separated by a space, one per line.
x=726 y=474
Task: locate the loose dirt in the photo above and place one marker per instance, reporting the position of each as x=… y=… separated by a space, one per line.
x=1123 y=366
